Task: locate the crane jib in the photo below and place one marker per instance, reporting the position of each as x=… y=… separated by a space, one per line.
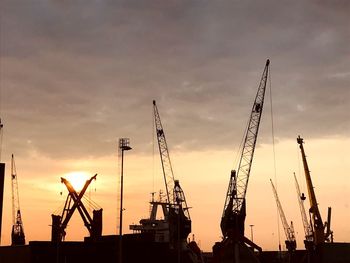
x=235 y=198
x=175 y=195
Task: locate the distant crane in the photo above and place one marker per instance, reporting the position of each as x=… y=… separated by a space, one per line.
x=288 y=229
x=17 y=235
x=307 y=227
x=234 y=213
x=175 y=226
x=179 y=216
x=318 y=227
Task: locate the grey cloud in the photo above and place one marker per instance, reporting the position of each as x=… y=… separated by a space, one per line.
x=75 y=76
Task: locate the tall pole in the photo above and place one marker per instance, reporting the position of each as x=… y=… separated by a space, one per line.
x=251 y=233
x=2 y=179
x=123 y=146
x=121 y=197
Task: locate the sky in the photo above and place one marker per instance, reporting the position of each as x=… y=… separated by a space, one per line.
x=76 y=76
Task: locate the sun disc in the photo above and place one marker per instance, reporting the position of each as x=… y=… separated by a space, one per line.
x=77 y=179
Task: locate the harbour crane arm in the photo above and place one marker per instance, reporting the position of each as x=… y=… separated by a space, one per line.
x=178 y=214
x=77 y=203
x=164 y=156
x=301 y=199
x=317 y=224
x=234 y=208
x=73 y=202
x=288 y=230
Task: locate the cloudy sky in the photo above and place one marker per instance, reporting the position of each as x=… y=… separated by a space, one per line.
x=77 y=75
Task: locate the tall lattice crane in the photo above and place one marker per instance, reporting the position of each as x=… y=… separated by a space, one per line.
x=288 y=229
x=175 y=195
x=17 y=235
x=233 y=247
x=176 y=223
x=318 y=227
x=307 y=227
x=232 y=222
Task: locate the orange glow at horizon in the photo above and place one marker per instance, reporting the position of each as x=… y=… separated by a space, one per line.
x=199 y=172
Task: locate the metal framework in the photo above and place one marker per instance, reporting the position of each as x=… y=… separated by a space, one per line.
x=318 y=227
x=178 y=215
x=288 y=230
x=74 y=202
x=234 y=208
x=301 y=198
x=17 y=235
x=164 y=156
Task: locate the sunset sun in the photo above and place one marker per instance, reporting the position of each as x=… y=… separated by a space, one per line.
x=77 y=179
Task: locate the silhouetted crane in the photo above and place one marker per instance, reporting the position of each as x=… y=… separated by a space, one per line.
x=234 y=213
x=291 y=243
x=17 y=235
x=321 y=231
x=74 y=202
x=307 y=227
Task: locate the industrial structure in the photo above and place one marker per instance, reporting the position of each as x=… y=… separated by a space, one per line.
x=308 y=241
x=233 y=247
x=290 y=241
x=74 y=202
x=17 y=234
x=321 y=231
x=164 y=239
x=2 y=179
x=175 y=225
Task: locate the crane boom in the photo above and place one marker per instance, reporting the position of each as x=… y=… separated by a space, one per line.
x=318 y=227
x=164 y=156
x=301 y=199
x=316 y=220
x=17 y=235
x=177 y=214
x=288 y=230
x=234 y=208
x=317 y=224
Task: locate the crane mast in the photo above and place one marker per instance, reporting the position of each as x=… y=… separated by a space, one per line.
x=319 y=235
x=288 y=230
x=17 y=235
x=307 y=226
x=233 y=217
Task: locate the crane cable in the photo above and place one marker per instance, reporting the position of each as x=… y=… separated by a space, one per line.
x=274 y=157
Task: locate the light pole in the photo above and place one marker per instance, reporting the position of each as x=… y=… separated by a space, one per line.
x=123 y=146
x=251 y=233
